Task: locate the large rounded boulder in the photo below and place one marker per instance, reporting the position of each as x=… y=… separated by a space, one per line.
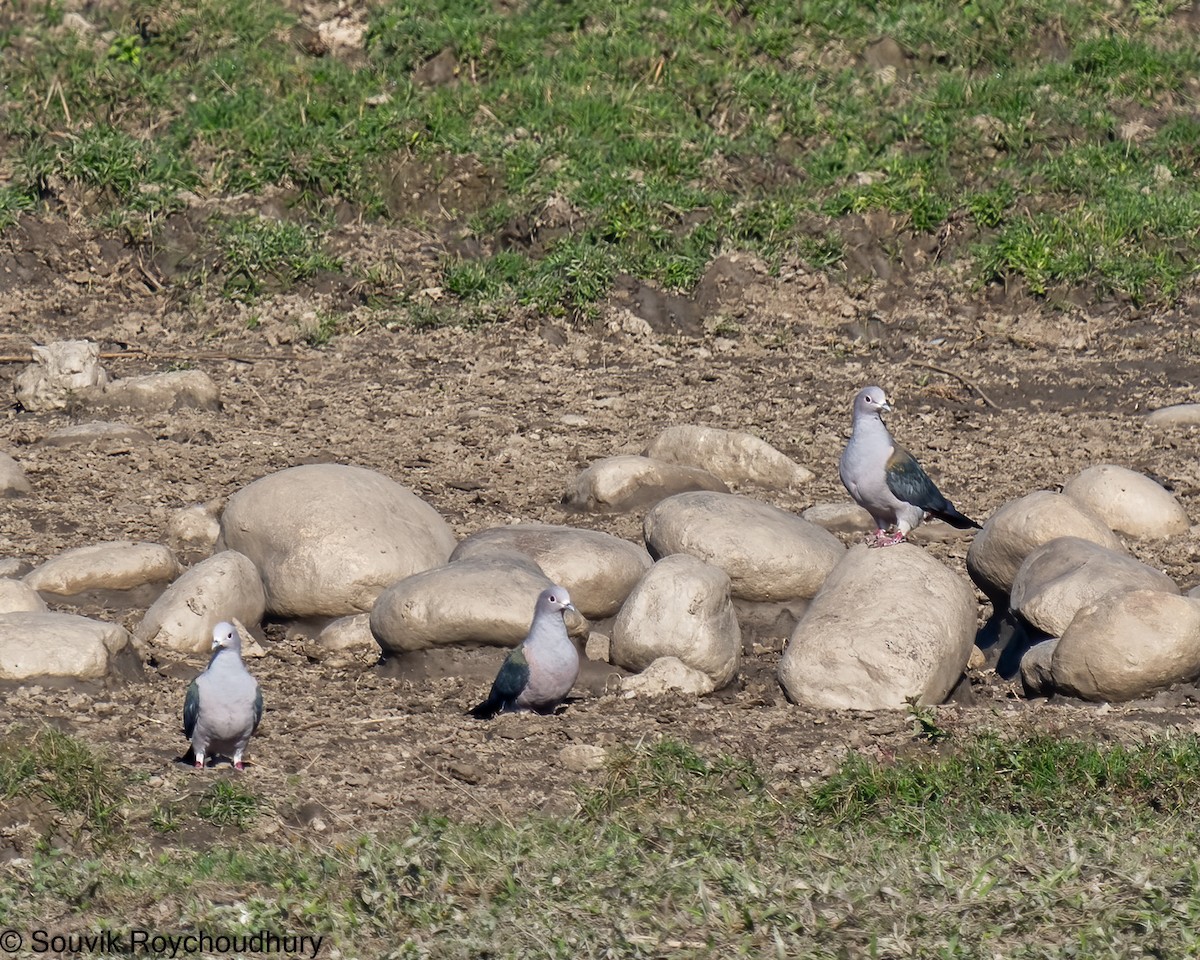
x=482 y=600
x=1066 y=574
x=681 y=608
x=49 y=647
x=1129 y=502
x=769 y=554
x=328 y=538
x=625 y=483
x=736 y=457
x=226 y=586
x=597 y=568
x=1128 y=646
x=1021 y=526
x=888 y=624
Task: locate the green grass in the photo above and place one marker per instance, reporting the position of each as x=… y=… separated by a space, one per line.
x=962 y=848
x=675 y=130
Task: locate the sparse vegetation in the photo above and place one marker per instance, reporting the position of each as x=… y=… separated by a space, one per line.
x=1052 y=142
x=970 y=848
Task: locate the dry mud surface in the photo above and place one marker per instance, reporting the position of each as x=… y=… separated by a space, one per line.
x=474 y=422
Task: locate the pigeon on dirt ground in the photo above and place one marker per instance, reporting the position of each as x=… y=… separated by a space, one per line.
x=224 y=704
x=884 y=478
x=541 y=669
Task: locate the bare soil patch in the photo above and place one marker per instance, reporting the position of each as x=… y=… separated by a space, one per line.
x=473 y=421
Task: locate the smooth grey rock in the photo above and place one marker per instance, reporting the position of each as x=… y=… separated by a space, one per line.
x=1065 y=574
x=486 y=600
x=226 y=586
x=769 y=554
x=41 y=646
x=681 y=608
x=60 y=371
x=344 y=641
x=1019 y=527
x=14 y=568
x=667 y=675
x=13 y=482
x=328 y=538
x=115 y=565
x=1129 y=645
x=888 y=624
x=78 y=434
x=158 y=392
x=847 y=517
x=624 y=483
x=597 y=569
x=733 y=456
x=1179 y=415
x=1129 y=502
x=1036 y=673
x=19 y=597
x=195 y=529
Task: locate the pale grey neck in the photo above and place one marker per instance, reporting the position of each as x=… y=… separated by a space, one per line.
x=547 y=629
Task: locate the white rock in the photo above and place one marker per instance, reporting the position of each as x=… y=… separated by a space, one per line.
x=1129 y=502
x=1036 y=670
x=1128 y=646
x=195 y=528
x=482 y=600
x=13 y=482
x=14 y=568
x=97 y=431
x=36 y=646
x=157 y=392
x=769 y=554
x=345 y=640
x=1067 y=573
x=226 y=586
x=1017 y=528
x=681 y=608
x=847 y=517
x=888 y=624
x=598 y=647
x=1179 y=415
x=623 y=483
x=597 y=568
x=60 y=371
x=667 y=674
x=733 y=456
x=115 y=565
x=1194 y=593
x=582 y=757
x=19 y=597
x=328 y=538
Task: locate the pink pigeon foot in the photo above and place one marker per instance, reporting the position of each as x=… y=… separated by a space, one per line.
x=239 y=766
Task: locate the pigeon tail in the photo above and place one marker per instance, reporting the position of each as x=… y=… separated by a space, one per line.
x=952 y=516
x=486 y=710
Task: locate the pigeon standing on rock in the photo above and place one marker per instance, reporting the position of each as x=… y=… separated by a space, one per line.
x=224 y=704
x=884 y=478
x=541 y=669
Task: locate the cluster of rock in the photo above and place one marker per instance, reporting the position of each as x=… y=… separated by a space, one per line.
x=869 y=628
x=1092 y=620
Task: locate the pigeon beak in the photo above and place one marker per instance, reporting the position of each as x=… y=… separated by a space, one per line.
x=886 y=407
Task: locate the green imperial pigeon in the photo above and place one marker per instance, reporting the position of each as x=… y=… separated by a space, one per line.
x=541 y=669
x=223 y=704
x=884 y=478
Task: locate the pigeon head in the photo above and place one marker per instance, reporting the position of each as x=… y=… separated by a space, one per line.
x=871 y=401
x=554 y=599
x=225 y=636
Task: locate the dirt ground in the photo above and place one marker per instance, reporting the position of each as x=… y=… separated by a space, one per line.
x=473 y=421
